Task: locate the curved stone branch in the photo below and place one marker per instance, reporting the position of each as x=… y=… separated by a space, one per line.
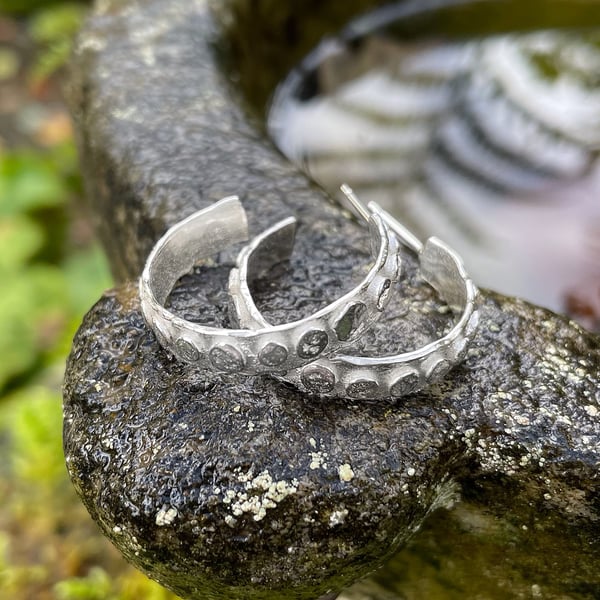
x=228 y=487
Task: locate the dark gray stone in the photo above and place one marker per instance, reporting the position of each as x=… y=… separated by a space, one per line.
x=226 y=359
x=405 y=384
x=312 y=343
x=273 y=355
x=235 y=487
x=318 y=379
x=350 y=321
x=362 y=388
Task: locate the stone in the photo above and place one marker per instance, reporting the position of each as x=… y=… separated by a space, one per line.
x=349 y=322
x=219 y=486
x=273 y=355
x=405 y=384
x=362 y=388
x=318 y=379
x=312 y=343
x=226 y=358
x=187 y=350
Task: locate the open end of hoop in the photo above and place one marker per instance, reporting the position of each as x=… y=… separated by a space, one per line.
x=273 y=246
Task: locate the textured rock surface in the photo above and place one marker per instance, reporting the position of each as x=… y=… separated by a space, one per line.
x=222 y=487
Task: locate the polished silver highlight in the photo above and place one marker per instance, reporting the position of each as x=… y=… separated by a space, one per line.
x=367 y=377
x=266 y=348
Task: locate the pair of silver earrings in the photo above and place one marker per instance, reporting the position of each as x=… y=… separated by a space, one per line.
x=309 y=352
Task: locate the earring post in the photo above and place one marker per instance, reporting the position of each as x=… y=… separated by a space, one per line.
x=406 y=237
x=355 y=202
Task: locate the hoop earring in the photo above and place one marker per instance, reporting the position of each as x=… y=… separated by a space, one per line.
x=266 y=348
x=367 y=377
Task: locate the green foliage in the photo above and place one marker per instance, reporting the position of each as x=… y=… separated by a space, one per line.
x=31 y=180
x=56 y=23
x=44 y=298
x=22 y=7
x=33 y=418
x=12 y=577
x=31 y=311
x=54 y=30
x=20 y=239
x=51 y=272
x=96 y=586
x=56 y=536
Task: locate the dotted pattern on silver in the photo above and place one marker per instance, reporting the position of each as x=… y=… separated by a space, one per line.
x=267 y=348
x=273 y=355
x=318 y=379
x=366 y=377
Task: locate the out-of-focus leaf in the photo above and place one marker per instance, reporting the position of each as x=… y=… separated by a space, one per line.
x=87 y=275
x=33 y=419
x=32 y=314
x=96 y=586
x=53 y=58
x=12 y=576
x=136 y=585
x=54 y=29
x=9 y=63
x=20 y=239
x=28 y=181
x=23 y=7
x=56 y=22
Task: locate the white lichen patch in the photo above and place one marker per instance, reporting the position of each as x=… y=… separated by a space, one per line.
x=317 y=460
x=522 y=420
x=592 y=410
x=228 y=497
x=558 y=365
x=231 y=521
x=469 y=437
x=345 y=472
x=166 y=515
x=337 y=517
x=259 y=494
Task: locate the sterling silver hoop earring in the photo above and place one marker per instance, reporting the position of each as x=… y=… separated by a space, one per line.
x=366 y=377
x=267 y=347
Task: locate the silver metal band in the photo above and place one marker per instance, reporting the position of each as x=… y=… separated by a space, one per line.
x=265 y=348
x=389 y=376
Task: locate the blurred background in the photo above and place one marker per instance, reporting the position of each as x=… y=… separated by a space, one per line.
x=51 y=271
x=476 y=121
